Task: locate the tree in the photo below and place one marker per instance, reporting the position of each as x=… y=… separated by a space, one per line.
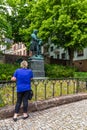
x=5 y=28
x=71 y=28
x=64 y=21
x=19 y=23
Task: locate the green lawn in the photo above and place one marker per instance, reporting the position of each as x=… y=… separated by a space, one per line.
x=80 y=74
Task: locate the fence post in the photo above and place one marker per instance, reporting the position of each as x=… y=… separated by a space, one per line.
x=45 y=91
x=77 y=88
x=68 y=87
x=53 y=88
x=12 y=95
x=36 y=83
x=60 y=88
x=86 y=84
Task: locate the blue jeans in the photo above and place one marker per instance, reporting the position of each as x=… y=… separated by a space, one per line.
x=22 y=97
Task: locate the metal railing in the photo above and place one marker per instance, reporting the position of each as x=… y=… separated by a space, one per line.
x=43 y=89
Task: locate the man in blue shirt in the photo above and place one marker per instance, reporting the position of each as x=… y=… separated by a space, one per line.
x=23 y=77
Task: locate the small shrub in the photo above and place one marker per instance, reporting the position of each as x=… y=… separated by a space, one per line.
x=3 y=76
x=58 y=71
x=7 y=70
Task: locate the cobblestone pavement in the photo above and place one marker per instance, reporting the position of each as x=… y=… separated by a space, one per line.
x=71 y=116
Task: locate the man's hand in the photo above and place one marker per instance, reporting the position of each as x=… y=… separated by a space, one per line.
x=13 y=79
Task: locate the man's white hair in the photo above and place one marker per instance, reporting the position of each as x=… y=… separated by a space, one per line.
x=24 y=64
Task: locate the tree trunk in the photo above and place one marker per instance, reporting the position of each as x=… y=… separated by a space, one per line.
x=71 y=55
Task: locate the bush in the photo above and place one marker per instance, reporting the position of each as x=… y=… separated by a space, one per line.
x=51 y=71
x=3 y=76
x=7 y=70
x=58 y=71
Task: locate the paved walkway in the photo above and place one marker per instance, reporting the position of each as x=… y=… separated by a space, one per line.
x=66 y=117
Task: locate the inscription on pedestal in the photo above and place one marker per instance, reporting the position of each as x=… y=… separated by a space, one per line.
x=37 y=67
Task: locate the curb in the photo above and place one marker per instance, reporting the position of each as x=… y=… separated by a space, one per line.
x=7 y=112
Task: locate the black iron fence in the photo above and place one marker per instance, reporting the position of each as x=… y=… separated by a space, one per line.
x=43 y=89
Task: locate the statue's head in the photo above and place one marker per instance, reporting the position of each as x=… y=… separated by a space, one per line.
x=35 y=31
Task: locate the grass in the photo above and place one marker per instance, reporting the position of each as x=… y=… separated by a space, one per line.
x=6 y=96
x=80 y=74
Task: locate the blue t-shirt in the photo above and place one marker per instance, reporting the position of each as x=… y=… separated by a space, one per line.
x=23 y=79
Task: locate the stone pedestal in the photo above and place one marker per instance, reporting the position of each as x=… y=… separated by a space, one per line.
x=37 y=66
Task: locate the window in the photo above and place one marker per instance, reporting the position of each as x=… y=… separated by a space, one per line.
x=58 y=56
x=14 y=47
x=51 y=49
x=24 y=52
x=80 y=53
x=23 y=46
x=63 y=55
x=17 y=53
x=51 y=57
x=19 y=46
x=20 y=53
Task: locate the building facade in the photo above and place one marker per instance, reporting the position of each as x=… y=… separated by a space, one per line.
x=15 y=49
x=58 y=53
x=19 y=49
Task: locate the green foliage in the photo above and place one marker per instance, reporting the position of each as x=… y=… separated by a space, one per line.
x=64 y=21
x=52 y=71
x=5 y=26
x=80 y=74
x=58 y=71
x=7 y=70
